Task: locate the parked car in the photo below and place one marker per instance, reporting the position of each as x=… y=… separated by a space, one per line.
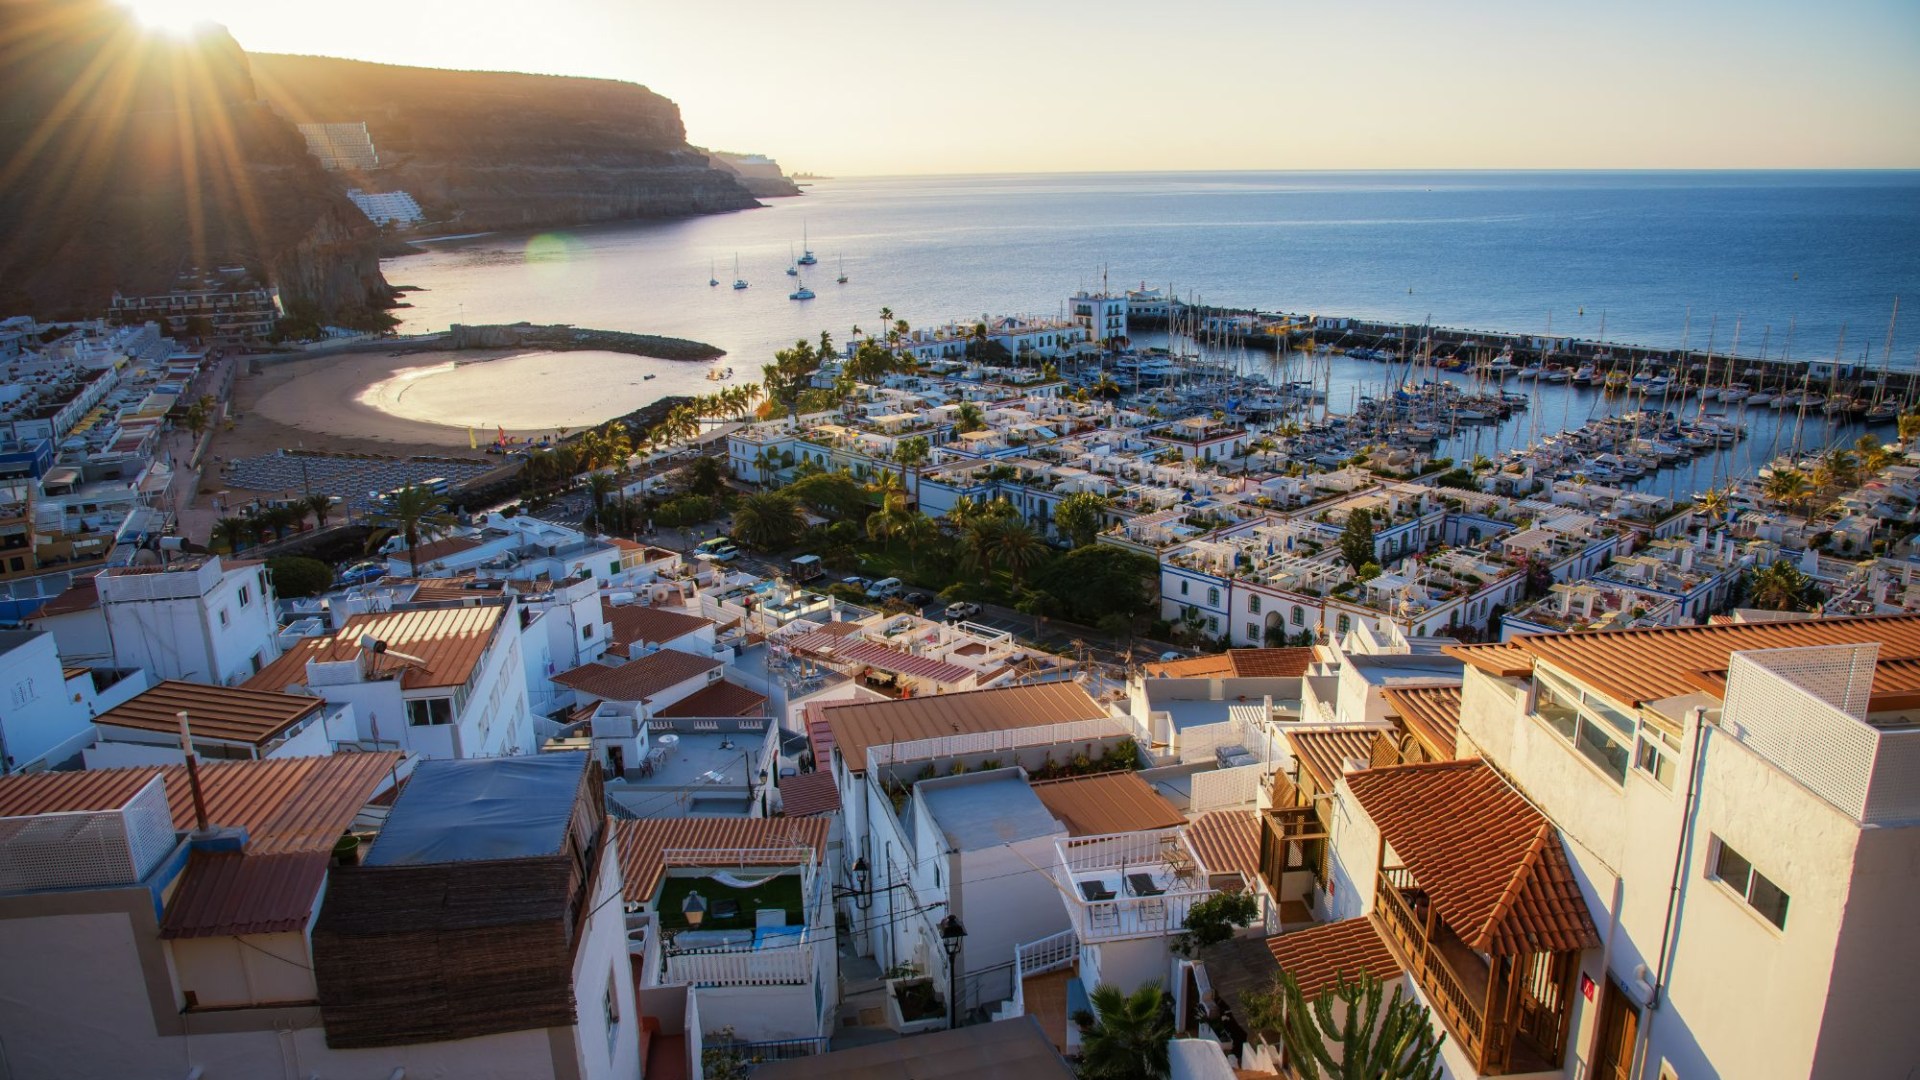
x=860 y=583
x=719 y=554
x=885 y=588
x=361 y=572
x=962 y=610
x=918 y=599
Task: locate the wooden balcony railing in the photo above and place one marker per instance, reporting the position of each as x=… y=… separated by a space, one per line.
x=1463 y=1016
x=1296 y=823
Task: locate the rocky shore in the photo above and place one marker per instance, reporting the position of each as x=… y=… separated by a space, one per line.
x=563 y=338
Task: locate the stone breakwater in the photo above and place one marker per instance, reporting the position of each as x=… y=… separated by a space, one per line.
x=562 y=338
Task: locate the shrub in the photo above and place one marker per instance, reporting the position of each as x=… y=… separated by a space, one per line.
x=294 y=576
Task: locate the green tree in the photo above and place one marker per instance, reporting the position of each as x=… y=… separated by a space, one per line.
x=832 y=494
x=913 y=451
x=1213 y=920
x=1100 y=580
x=1782 y=587
x=320 y=506
x=768 y=520
x=1014 y=546
x=1344 y=1034
x=415 y=513
x=1789 y=488
x=232 y=533
x=1080 y=517
x=1125 y=1036
x=1356 y=540
x=705 y=476
x=295 y=576
x=1909 y=426
x=1872 y=456
x=968 y=417
x=888 y=522
x=918 y=531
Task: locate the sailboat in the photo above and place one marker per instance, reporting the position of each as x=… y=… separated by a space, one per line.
x=711 y=280
x=793 y=269
x=842 y=279
x=806 y=251
x=738 y=281
x=801 y=293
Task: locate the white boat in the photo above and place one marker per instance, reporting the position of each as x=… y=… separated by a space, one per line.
x=806 y=252
x=1735 y=392
x=1584 y=376
x=1760 y=400
x=1554 y=375
x=711 y=280
x=801 y=293
x=738 y=281
x=793 y=267
x=842 y=279
x=1531 y=371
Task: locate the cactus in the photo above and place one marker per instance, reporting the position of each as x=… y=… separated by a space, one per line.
x=1397 y=1044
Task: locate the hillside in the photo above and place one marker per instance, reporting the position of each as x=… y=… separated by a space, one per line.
x=120 y=175
x=495 y=150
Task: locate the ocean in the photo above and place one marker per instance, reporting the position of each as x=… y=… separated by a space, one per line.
x=1795 y=259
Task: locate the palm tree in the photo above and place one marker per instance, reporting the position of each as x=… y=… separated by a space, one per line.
x=1781 y=587
x=599 y=486
x=232 y=533
x=890 y=520
x=1788 y=487
x=1836 y=469
x=968 y=417
x=1713 y=503
x=415 y=512
x=1014 y=545
x=1125 y=1036
x=1909 y=426
x=918 y=530
x=320 y=506
x=768 y=520
x=1872 y=455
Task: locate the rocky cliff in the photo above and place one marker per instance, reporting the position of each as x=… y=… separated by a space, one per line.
x=128 y=157
x=495 y=150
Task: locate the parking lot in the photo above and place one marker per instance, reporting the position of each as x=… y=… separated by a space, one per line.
x=349 y=478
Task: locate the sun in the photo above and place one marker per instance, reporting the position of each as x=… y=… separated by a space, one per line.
x=177 y=17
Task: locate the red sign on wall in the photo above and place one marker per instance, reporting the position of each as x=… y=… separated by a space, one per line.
x=1586 y=986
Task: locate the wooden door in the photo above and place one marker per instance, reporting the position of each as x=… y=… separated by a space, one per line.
x=1619 y=1027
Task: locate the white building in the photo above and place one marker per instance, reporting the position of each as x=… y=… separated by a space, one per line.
x=207 y=620
x=47 y=708
x=1103 y=315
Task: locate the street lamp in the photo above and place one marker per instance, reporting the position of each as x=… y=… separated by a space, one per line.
x=952 y=931
x=694 y=907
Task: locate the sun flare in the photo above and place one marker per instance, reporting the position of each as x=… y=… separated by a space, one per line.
x=178 y=17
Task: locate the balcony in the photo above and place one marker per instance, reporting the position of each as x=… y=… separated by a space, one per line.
x=1509 y=1014
x=1130 y=885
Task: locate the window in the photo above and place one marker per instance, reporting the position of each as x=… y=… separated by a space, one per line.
x=1599 y=731
x=1733 y=870
x=1253 y=605
x=586 y=632
x=1299 y=615
x=1253 y=632
x=612 y=1004
x=1656 y=753
x=224 y=620
x=1213 y=624
x=1183 y=587
x=1213 y=596
x=1343 y=625
x=430 y=712
x=246 y=596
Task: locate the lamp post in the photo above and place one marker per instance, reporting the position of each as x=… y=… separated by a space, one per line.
x=952 y=931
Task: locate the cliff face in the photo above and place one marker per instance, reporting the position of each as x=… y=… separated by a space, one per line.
x=118 y=175
x=495 y=150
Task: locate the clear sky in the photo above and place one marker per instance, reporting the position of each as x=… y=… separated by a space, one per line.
x=908 y=86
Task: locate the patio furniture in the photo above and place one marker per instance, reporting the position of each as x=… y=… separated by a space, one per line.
x=726 y=909
x=769 y=917
x=1142 y=885
x=1095 y=891
x=1104 y=916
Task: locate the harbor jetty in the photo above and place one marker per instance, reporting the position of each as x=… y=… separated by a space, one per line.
x=561 y=337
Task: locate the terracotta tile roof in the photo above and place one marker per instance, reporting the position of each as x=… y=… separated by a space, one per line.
x=1228 y=842
x=859 y=725
x=285 y=804
x=888 y=658
x=643 y=843
x=226 y=893
x=1114 y=802
x=631 y=624
x=1319 y=956
x=637 y=680
x=809 y=794
x=1638 y=666
x=1432 y=713
x=215 y=712
x=1493 y=864
x=1323 y=755
x=718 y=699
x=1237 y=664
x=439 y=549
x=449 y=640
x=82 y=595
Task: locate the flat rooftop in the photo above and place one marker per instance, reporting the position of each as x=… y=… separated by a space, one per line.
x=481 y=809
x=988 y=809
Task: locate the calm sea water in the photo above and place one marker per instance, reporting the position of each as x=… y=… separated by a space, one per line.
x=1659 y=256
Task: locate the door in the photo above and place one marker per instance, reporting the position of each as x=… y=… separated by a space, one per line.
x=1619 y=1026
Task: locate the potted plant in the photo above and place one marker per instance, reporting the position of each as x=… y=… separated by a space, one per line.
x=913 y=1004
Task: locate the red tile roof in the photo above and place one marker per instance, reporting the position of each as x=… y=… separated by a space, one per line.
x=637 y=680
x=748 y=842
x=1323 y=755
x=1638 y=666
x=450 y=641
x=1432 y=713
x=888 y=658
x=1237 y=664
x=1114 y=802
x=1492 y=864
x=82 y=595
x=226 y=893
x=1320 y=956
x=630 y=624
x=285 y=804
x=717 y=699
x=809 y=794
x=856 y=726
x=215 y=712
x=439 y=549
x=1228 y=842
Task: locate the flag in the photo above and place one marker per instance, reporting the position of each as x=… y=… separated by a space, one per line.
x=473 y=440
x=503 y=436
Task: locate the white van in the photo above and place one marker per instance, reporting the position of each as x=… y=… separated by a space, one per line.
x=885 y=588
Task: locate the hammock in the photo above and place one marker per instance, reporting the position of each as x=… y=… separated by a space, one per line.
x=735 y=881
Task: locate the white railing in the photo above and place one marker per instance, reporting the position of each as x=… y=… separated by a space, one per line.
x=1120 y=850
x=786 y=965
x=992 y=741
x=1134 y=916
x=1225 y=789
x=1050 y=953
